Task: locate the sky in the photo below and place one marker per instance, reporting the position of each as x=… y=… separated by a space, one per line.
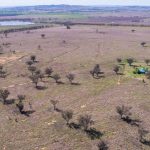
x=73 y=2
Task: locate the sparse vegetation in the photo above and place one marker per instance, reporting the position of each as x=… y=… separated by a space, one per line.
x=70 y=77
x=54 y=103
x=96 y=71
x=67 y=115
x=4 y=95
x=102 y=145
x=124 y=112
x=142 y=136
x=130 y=61
x=116 y=69
x=85 y=122
x=32 y=69
x=147 y=61
x=56 y=77
x=143 y=44
x=33 y=58
x=49 y=71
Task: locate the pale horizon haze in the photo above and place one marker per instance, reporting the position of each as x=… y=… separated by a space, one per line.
x=5 y=3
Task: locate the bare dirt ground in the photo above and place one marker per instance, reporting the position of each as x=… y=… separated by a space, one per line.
x=84 y=47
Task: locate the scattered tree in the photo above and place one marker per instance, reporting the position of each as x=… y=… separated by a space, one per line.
x=124 y=112
x=143 y=44
x=96 y=71
x=67 y=115
x=33 y=58
x=147 y=61
x=54 y=103
x=148 y=75
x=102 y=145
x=43 y=36
x=5 y=34
x=32 y=69
x=119 y=60
x=49 y=71
x=20 y=106
x=4 y=95
x=142 y=135
x=29 y=63
x=133 y=30
x=21 y=97
x=1 y=49
x=130 y=61
x=35 y=80
x=116 y=69
x=85 y=122
x=70 y=77
x=2 y=72
x=56 y=77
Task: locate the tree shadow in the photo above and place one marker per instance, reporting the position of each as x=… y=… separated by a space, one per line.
x=94 y=134
x=60 y=82
x=75 y=83
x=133 y=122
x=74 y=125
x=58 y=110
x=41 y=87
x=146 y=142
x=99 y=76
x=9 y=102
x=28 y=113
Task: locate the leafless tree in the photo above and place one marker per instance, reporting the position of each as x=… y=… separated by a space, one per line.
x=21 y=97
x=124 y=112
x=67 y=115
x=4 y=95
x=147 y=61
x=102 y=145
x=54 y=103
x=85 y=122
x=32 y=69
x=116 y=69
x=56 y=77
x=70 y=77
x=49 y=71
x=33 y=58
x=35 y=80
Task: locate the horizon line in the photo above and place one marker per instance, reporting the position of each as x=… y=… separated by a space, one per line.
x=76 y=5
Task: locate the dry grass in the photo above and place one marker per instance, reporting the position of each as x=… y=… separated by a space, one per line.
x=46 y=129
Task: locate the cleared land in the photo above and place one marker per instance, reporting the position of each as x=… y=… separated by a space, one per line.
x=84 y=47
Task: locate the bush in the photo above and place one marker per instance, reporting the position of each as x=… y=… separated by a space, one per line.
x=102 y=145
x=70 y=77
x=116 y=69
x=4 y=95
x=49 y=71
x=85 y=121
x=67 y=115
x=124 y=112
x=130 y=61
x=56 y=77
x=54 y=103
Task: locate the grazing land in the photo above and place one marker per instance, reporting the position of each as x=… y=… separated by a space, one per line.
x=76 y=51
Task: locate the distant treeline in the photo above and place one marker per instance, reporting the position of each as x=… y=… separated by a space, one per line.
x=24 y=29
x=16 y=19
x=99 y=24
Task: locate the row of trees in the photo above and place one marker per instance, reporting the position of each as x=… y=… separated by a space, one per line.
x=4 y=94
x=37 y=74
x=126 y=115
x=84 y=123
